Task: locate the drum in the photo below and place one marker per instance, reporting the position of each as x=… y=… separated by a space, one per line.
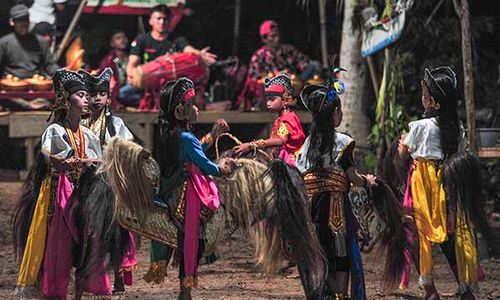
x=153 y=75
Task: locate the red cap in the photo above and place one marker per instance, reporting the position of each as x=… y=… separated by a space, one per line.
x=267 y=26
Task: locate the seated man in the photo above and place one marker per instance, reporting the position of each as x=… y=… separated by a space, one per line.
x=149 y=46
x=24 y=54
x=274 y=57
x=121 y=92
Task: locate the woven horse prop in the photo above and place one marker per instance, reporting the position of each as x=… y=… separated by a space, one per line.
x=248 y=197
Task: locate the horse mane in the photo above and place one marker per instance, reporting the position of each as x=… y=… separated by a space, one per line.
x=130 y=168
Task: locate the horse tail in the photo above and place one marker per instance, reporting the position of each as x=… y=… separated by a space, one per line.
x=289 y=216
x=394 y=241
x=101 y=235
x=463 y=183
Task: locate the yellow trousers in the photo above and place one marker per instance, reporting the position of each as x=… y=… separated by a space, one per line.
x=429 y=206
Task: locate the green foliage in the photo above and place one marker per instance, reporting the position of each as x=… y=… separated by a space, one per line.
x=391 y=118
x=492 y=185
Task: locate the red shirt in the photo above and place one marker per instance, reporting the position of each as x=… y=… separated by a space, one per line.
x=289 y=129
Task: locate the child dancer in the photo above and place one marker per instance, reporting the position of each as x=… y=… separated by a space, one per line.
x=181 y=150
x=439 y=218
x=101 y=120
x=287 y=135
x=105 y=125
x=43 y=224
x=327 y=164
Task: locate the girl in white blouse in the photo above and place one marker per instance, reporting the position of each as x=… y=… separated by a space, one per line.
x=431 y=142
x=45 y=231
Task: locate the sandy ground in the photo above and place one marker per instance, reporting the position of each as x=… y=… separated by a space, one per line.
x=235 y=276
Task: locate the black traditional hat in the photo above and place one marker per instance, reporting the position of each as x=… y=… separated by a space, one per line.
x=277 y=85
x=99 y=83
x=174 y=93
x=66 y=83
x=317 y=98
x=441 y=82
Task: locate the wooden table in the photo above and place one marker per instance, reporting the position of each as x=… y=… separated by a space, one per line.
x=489 y=152
x=29 y=126
x=28 y=95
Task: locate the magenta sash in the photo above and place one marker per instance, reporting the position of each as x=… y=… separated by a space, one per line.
x=200 y=189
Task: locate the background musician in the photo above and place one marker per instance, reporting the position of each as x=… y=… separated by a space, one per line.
x=274 y=57
x=149 y=46
x=23 y=53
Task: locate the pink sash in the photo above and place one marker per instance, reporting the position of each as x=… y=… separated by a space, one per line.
x=200 y=189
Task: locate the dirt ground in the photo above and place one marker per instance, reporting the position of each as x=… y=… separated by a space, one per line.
x=235 y=276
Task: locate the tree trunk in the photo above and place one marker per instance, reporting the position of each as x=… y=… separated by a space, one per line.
x=462 y=10
x=355 y=121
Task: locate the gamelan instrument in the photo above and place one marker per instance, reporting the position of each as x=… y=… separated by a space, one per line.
x=13 y=83
x=36 y=83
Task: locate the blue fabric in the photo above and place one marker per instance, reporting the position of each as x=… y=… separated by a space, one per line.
x=191 y=150
x=358 y=291
x=129 y=96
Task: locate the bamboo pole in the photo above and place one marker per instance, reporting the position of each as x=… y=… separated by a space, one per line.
x=373 y=75
x=322 y=23
x=71 y=28
x=236 y=32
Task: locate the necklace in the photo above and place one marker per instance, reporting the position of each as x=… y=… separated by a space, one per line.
x=77 y=140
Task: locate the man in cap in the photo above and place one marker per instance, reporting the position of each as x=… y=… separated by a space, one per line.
x=275 y=57
x=22 y=53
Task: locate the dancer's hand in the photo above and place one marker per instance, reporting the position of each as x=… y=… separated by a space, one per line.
x=220 y=127
x=370 y=179
x=242 y=149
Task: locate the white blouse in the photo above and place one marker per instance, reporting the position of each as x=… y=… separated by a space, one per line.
x=121 y=130
x=54 y=144
x=341 y=142
x=424 y=140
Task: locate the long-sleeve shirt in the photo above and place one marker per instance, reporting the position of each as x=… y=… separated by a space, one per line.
x=191 y=150
x=24 y=56
x=286 y=56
